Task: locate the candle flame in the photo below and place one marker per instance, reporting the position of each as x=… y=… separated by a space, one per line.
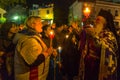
x=51 y=32
x=59 y=48
x=67 y=36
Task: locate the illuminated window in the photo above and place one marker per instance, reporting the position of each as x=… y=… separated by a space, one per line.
x=48 y=11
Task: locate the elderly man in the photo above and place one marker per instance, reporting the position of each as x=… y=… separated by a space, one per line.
x=99 y=49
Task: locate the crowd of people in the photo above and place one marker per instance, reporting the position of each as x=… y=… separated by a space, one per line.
x=69 y=53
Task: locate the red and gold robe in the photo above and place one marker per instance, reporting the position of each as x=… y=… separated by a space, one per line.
x=98 y=56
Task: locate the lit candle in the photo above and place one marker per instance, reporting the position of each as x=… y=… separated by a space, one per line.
x=51 y=34
x=59 y=50
x=67 y=36
x=51 y=37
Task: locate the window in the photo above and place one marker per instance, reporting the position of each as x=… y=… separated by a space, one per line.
x=39 y=12
x=116 y=12
x=48 y=12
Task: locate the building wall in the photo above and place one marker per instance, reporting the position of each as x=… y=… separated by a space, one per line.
x=108 y=6
x=76 y=9
x=43 y=12
x=46 y=13
x=113 y=7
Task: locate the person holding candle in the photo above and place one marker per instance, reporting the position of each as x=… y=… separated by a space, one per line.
x=69 y=54
x=31 y=60
x=47 y=35
x=98 y=48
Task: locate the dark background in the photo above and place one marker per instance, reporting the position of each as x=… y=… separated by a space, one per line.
x=61 y=9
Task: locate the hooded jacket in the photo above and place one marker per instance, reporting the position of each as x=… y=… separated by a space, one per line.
x=29 y=62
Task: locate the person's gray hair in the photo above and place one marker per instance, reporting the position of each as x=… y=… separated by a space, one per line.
x=31 y=20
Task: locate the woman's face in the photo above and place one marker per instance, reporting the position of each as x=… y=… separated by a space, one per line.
x=38 y=25
x=12 y=31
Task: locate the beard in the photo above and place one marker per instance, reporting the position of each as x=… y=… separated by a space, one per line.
x=98 y=28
